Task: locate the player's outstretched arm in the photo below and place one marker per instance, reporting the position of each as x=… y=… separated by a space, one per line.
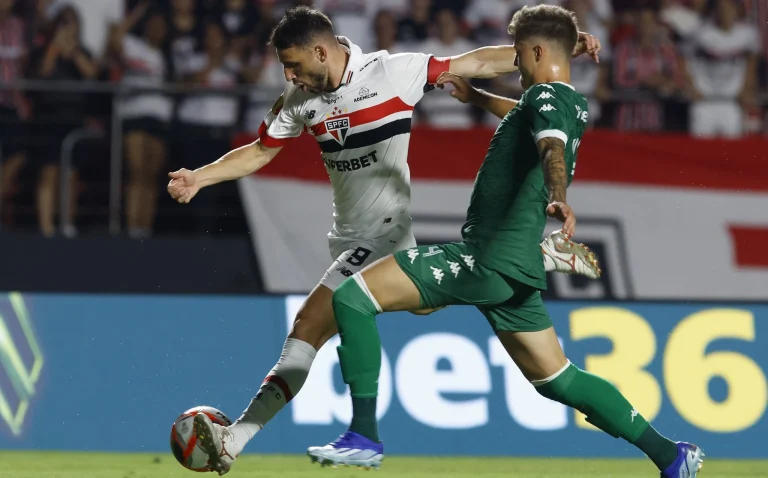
x=492 y=61
x=466 y=93
x=240 y=162
x=552 y=154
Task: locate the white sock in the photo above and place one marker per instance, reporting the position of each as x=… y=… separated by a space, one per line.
x=282 y=382
x=549 y=264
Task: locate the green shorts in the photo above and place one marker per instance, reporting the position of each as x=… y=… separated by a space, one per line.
x=447 y=274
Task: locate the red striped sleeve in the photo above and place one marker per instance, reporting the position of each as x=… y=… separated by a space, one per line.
x=436 y=67
x=269 y=141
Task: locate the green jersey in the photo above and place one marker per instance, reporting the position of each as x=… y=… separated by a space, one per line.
x=507 y=212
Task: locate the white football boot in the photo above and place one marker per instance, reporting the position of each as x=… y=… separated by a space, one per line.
x=215 y=440
x=571 y=257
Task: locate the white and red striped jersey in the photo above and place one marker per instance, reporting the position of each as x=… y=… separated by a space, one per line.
x=363 y=129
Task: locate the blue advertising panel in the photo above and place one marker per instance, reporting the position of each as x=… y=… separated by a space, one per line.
x=82 y=372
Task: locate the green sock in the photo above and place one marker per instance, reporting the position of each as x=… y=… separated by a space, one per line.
x=661 y=450
x=607 y=409
x=359 y=353
x=364 y=418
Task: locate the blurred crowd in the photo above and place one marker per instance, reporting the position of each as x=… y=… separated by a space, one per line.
x=666 y=65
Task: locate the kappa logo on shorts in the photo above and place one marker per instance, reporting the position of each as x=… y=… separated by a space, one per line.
x=455 y=268
x=546 y=95
x=469 y=261
x=438 y=273
x=413 y=254
x=433 y=251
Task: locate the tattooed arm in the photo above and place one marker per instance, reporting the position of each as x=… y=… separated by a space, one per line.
x=552 y=154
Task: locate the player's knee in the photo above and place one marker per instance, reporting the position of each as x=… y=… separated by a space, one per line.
x=313 y=326
x=355 y=295
x=344 y=293
x=348 y=294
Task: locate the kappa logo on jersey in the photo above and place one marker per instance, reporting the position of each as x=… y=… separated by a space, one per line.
x=545 y=95
x=455 y=268
x=437 y=273
x=413 y=254
x=338 y=128
x=547 y=107
x=364 y=93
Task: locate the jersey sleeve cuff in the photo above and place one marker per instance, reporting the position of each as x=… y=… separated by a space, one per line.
x=269 y=141
x=436 y=67
x=551 y=133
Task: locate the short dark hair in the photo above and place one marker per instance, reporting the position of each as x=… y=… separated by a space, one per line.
x=551 y=22
x=299 y=26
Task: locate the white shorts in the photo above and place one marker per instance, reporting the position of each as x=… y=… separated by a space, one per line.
x=710 y=119
x=353 y=255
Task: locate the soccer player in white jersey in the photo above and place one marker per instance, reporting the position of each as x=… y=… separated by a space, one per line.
x=358 y=106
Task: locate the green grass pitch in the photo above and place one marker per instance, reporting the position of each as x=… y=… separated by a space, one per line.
x=103 y=465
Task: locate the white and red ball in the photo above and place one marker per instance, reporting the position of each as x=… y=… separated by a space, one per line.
x=184 y=441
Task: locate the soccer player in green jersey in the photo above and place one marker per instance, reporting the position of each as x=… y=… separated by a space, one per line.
x=497 y=267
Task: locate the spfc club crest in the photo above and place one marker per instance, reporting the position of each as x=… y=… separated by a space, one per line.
x=338 y=128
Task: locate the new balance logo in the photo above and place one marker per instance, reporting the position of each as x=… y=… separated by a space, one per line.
x=469 y=261
x=413 y=254
x=545 y=96
x=547 y=107
x=433 y=251
x=438 y=273
x=345 y=272
x=455 y=268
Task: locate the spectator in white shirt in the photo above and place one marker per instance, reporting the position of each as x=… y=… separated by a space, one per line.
x=207 y=119
x=146 y=114
x=439 y=110
x=723 y=72
x=489 y=20
x=97 y=16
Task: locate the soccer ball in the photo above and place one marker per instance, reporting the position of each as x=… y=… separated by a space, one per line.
x=184 y=442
